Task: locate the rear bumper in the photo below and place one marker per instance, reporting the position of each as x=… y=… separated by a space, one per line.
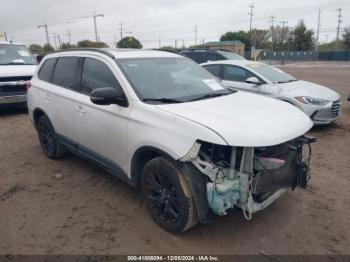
x=13 y=100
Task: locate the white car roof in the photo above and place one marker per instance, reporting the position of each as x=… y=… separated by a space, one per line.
x=117 y=53
x=232 y=62
x=9 y=43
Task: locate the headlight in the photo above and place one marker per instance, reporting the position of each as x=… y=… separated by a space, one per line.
x=312 y=100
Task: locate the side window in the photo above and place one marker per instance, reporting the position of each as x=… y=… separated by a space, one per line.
x=67 y=72
x=214 y=70
x=214 y=57
x=96 y=74
x=235 y=73
x=198 y=57
x=46 y=70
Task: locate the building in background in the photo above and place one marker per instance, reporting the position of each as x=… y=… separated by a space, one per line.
x=233 y=46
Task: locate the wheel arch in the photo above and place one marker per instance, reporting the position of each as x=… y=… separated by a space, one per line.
x=37 y=113
x=140 y=158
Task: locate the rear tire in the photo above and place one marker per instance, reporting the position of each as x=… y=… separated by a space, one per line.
x=168 y=196
x=48 y=139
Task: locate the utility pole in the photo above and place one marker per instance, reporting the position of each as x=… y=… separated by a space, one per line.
x=183 y=44
x=338 y=27
x=282 y=34
x=46 y=32
x=326 y=40
x=54 y=38
x=59 y=40
x=272 y=20
x=175 y=43
x=121 y=31
x=160 y=43
x=95 y=25
x=195 y=34
x=69 y=35
x=318 y=29
x=250 y=25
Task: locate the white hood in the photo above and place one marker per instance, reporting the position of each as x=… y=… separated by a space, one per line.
x=244 y=119
x=304 y=88
x=17 y=70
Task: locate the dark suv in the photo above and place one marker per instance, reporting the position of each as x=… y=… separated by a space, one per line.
x=205 y=55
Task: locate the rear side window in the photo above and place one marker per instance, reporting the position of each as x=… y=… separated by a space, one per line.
x=235 y=73
x=198 y=57
x=214 y=70
x=97 y=74
x=67 y=73
x=46 y=70
x=215 y=57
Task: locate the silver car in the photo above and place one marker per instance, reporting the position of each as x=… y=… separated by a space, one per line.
x=320 y=103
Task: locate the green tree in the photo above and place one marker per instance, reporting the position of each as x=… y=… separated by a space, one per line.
x=303 y=37
x=260 y=38
x=129 y=42
x=91 y=44
x=36 y=49
x=67 y=46
x=240 y=35
x=346 y=37
x=47 y=48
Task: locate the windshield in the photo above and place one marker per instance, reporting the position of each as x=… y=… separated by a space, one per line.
x=15 y=55
x=272 y=73
x=231 y=56
x=170 y=78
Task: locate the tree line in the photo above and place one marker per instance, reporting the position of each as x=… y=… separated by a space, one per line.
x=126 y=42
x=279 y=38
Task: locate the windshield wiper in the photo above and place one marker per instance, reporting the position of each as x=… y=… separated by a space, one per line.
x=210 y=95
x=162 y=100
x=288 y=81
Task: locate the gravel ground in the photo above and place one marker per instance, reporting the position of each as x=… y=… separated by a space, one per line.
x=72 y=207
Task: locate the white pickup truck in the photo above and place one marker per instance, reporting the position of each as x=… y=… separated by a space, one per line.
x=17 y=66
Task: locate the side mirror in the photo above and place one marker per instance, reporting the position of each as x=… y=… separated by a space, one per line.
x=108 y=96
x=253 y=80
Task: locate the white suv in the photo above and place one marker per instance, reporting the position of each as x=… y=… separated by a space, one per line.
x=159 y=121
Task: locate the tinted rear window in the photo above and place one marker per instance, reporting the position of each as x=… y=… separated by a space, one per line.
x=67 y=72
x=46 y=70
x=199 y=57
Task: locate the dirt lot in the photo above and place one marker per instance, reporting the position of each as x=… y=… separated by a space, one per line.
x=88 y=211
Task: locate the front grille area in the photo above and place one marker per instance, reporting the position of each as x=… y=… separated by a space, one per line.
x=335 y=108
x=15 y=78
x=12 y=89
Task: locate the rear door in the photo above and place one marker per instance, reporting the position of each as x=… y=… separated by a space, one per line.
x=62 y=96
x=236 y=76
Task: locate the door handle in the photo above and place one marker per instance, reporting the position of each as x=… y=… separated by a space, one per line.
x=80 y=109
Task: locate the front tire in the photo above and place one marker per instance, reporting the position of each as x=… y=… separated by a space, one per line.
x=48 y=139
x=168 y=196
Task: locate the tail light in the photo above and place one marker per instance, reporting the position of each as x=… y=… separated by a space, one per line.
x=29 y=85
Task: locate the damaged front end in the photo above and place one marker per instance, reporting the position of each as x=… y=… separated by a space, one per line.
x=250 y=178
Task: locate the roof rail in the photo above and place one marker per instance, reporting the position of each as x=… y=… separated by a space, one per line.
x=98 y=50
x=170 y=51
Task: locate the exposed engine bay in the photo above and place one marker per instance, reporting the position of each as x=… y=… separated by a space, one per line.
x=250 y=178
